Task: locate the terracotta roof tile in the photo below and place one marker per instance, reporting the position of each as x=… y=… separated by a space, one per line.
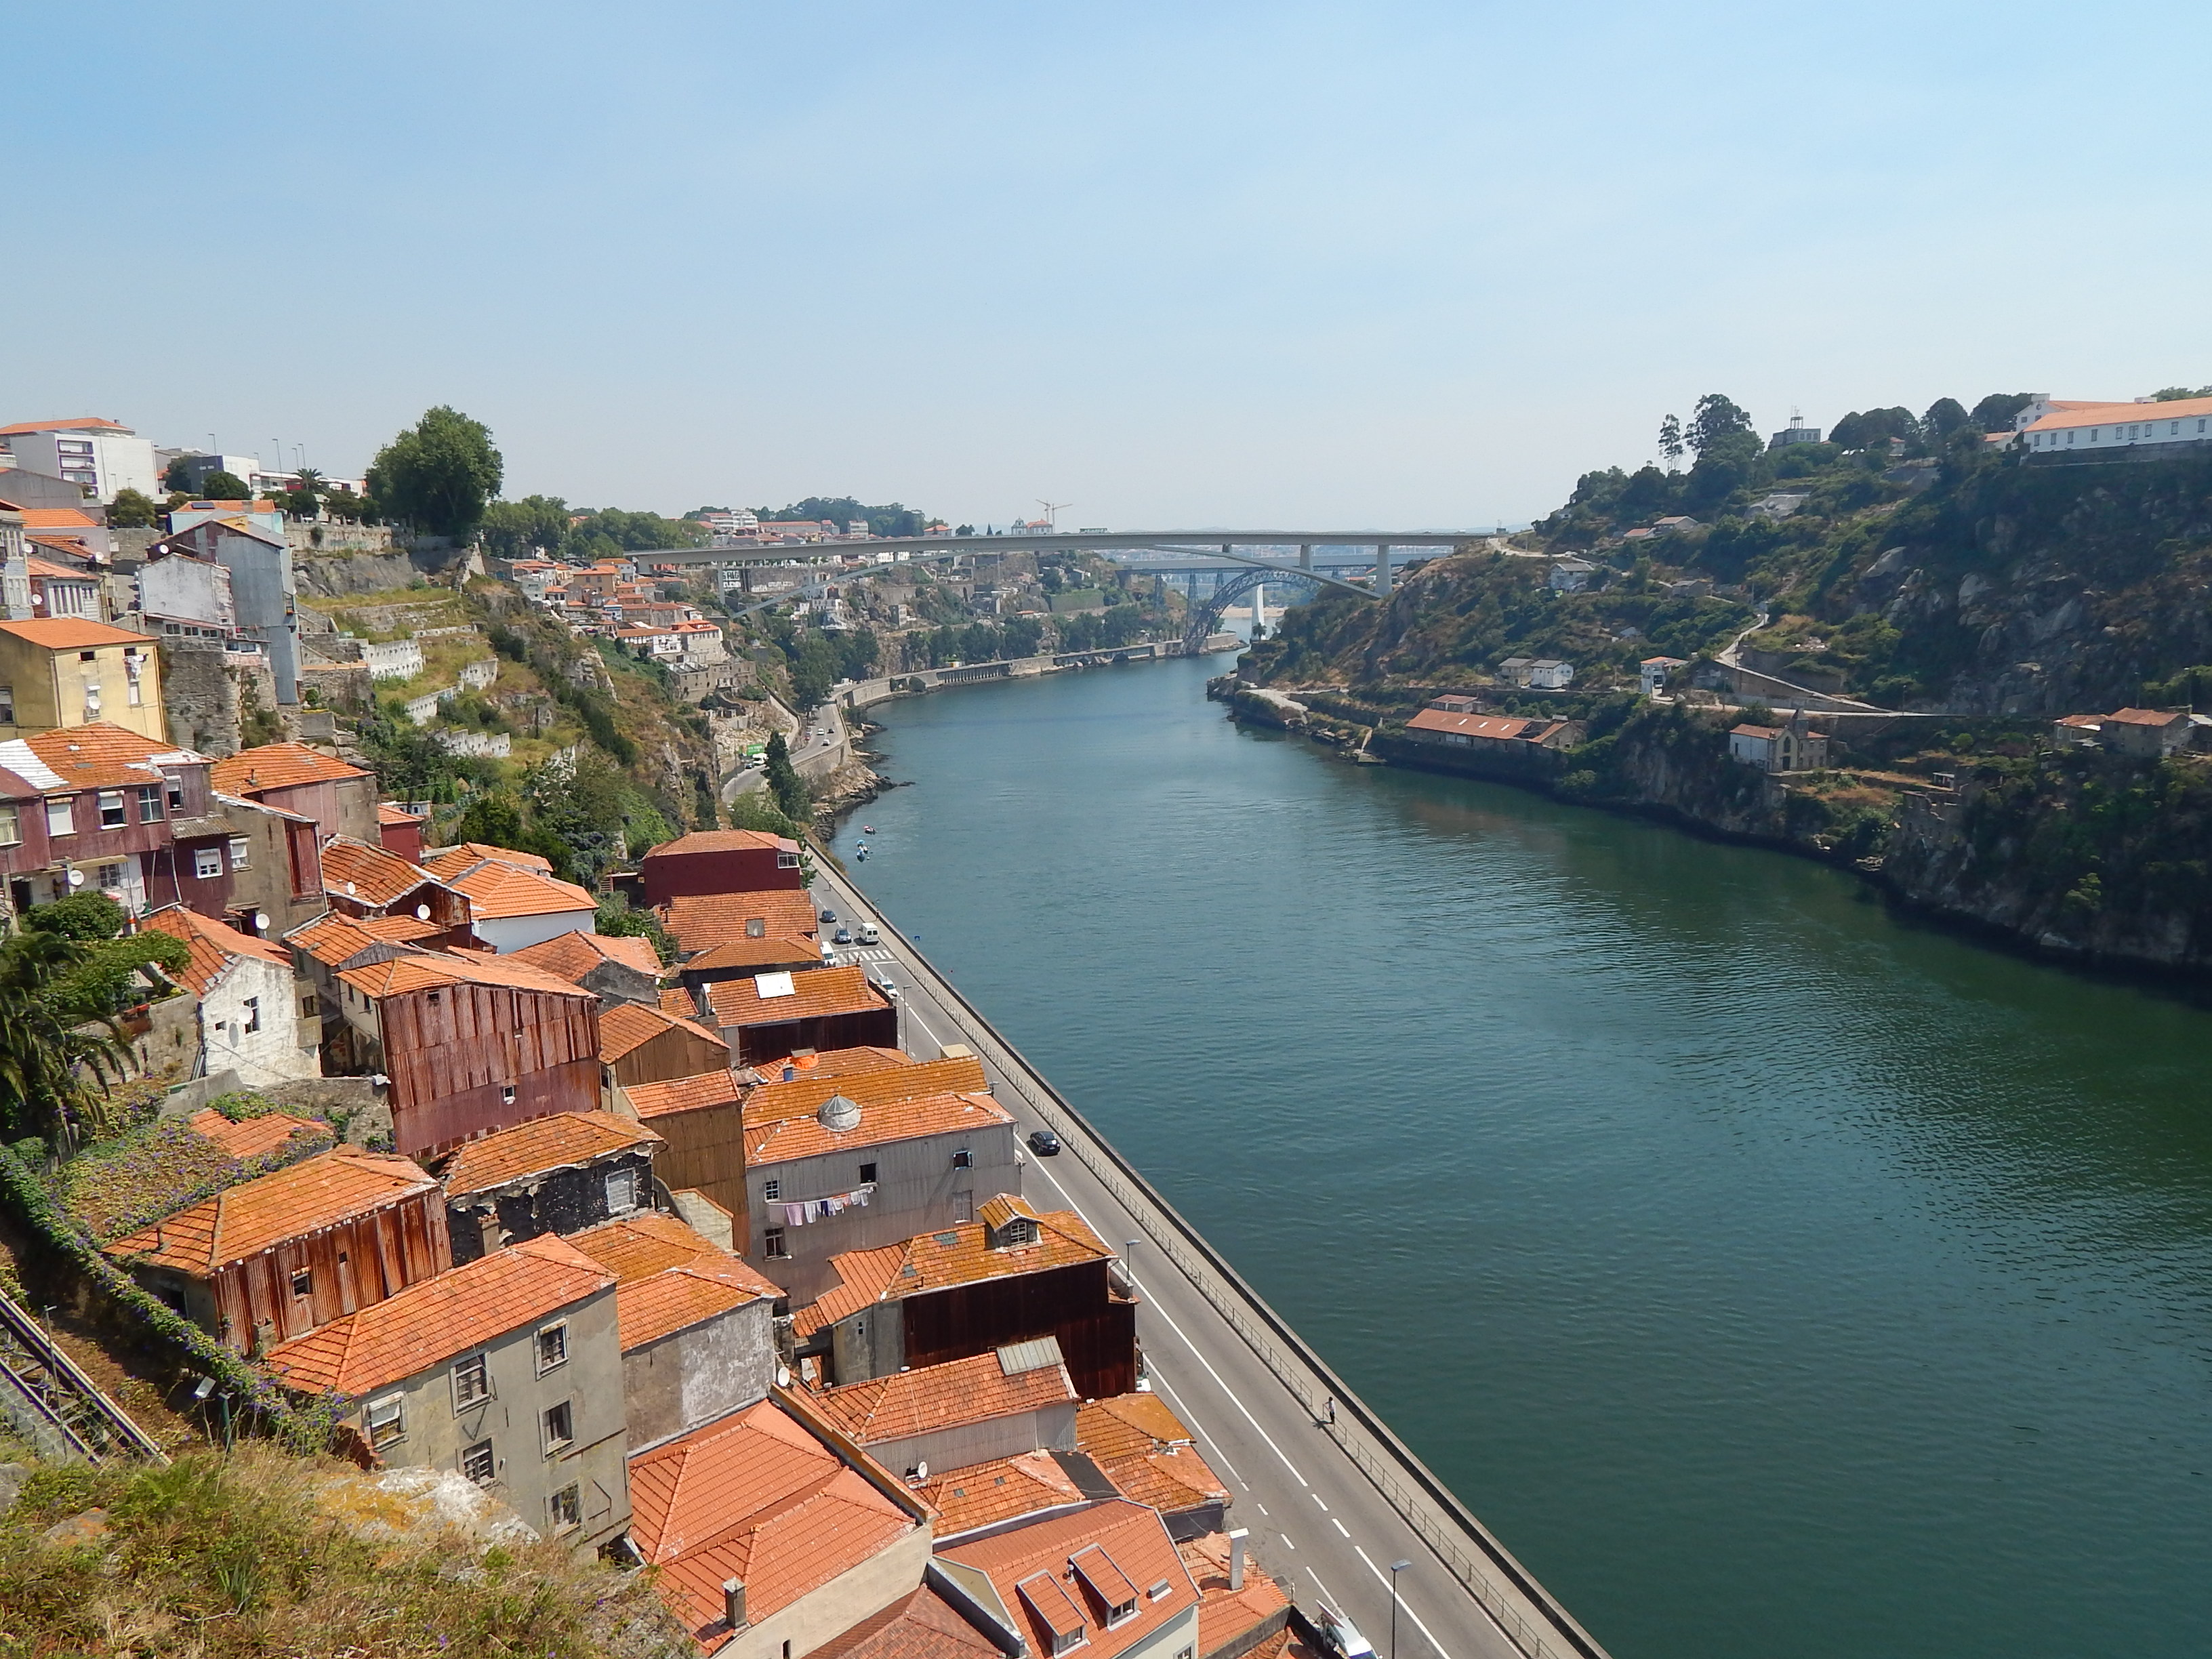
x=921 y=1625
x=1005 y=1489
x=463 y=855
x=279 y=766
x=755 y=1497
x=1132 y=1537
x=903 y=1120
x=2158 y=717
x=752 y=953
x=213 y=946
x=700 y=922
x=333 y=940
x=254 y=1137
x=251 y=1217
x=637 y=1246
x=103 y=741
x=724 y=841
x=863 y=1277
x=1495 y=726
x=386 y=813
x=817 y=993
x=496 y=890
x=677 y=1000
x=958 y=1254
x=436 y=1320
x=908 y=1403
x=844 y=1063
x=629 y=1026
x=2080 y=414
x=1225 y=1614
x=572 y=955
x=1143 y=1448
x=562 y=1141
x=82 y=424
x=58 y=518
x=369 y=875
x=677 y=1298
x=423 y=968
x=685 y=1094
x=877 y=1086
x=73 y=634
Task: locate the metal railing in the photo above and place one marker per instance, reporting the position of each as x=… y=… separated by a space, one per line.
x=64 y=1406
x=1466 y=1549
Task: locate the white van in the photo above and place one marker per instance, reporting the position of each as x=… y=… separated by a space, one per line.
x=868 y=934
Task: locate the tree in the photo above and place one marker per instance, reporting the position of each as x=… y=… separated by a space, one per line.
x=1715 y=418
x=2174 y=394
x=1994 y=412
x=535 y=524
x=1874 y=427
x=440 y=474
x=792 y=795
x=1944 y=416
x=221 y=486
x=177 y=477
x=493 y=818
x=1670 y=441
x=131 y=510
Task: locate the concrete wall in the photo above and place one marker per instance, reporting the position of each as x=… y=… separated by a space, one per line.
x=1052 y=1428
x=859 y=1593
x=697 y=1375
x=271 y=1054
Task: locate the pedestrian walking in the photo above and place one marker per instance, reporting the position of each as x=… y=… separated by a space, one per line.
x=1330 y=1406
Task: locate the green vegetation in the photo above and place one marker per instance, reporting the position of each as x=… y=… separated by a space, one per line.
x=134 y=1179
x=132 y=509
x=439 y=475
x=789 y=791
x=221 y=486
x=546 y=526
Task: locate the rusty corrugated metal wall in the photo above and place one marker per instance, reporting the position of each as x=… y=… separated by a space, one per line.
x=455 y=1051
x=349 y=1266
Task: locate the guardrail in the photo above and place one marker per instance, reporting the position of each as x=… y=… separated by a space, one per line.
x=1448 y=1527
x=66 y=1409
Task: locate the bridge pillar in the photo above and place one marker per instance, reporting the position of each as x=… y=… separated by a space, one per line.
x=1382 y=567
x=1259 y=613
x=1306 y=556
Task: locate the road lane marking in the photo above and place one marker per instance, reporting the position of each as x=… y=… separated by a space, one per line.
x=1416 y=1617
x=1339 y=1525
x=1324 y=1508
x=1285 y=1537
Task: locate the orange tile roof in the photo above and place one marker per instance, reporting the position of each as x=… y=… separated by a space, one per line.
x=803 y=1096
x=436 y=1320
x=2158 y=717
x=700 y=922
x=355 y=870
x=2080 y=414
x=1135 y=1541
x=1004 y=1489
x=420 y=970
x=725 y=841
x=83 y=424
x=447 y=860
x=572 y=955
x=334 y=938
x=213 y=946
x=637 y=1246
x=629 y=1026
x=104 y=740
x=816 y=994
x=58 y=518
x=496 y=890
x=1496 y=728
x=757 y=1498
x=1140 y=1445
x=257 y=1215
x=900 y=1120
x=908 y=1403
x=561 y=1141
x=776 y=952
x=958 y=1254
x=386 y=811
x=278 y=766
x=253 y=1137
x=705 y=1090
x=1225 y=1614
x=677 y=1298
x=921 y=1625
x=677 y=1000
x=863 y=1276
x=73 y=634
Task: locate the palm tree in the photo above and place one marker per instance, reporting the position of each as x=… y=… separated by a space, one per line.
x=57 y=1057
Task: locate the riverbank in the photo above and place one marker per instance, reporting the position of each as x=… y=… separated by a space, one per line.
x=2073 y=855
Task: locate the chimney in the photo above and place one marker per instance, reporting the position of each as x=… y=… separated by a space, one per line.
x=1236 y=1556
x=733 y=1603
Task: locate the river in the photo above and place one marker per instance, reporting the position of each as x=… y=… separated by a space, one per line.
x=1776 y=1276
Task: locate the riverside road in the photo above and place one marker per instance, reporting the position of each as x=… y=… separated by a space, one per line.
x=1316 y=1518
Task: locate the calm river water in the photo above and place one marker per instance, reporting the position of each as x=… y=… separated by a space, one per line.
x=1775 y=1276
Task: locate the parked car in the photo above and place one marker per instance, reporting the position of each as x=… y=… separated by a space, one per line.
x=868 y=935
x=1340 y=1635
x=843 y=936
x=1045 y=1144
x=829 y=917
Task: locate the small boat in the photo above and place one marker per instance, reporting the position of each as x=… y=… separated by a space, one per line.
x=867 y=828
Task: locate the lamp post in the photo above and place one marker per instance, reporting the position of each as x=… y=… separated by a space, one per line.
x=1129 y=1259
x=1396 y=1567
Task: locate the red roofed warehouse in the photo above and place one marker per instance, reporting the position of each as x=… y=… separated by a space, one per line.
x=277 y=1257
x=721 y=861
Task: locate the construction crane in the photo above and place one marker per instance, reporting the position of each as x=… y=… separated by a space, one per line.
x=1051 y=511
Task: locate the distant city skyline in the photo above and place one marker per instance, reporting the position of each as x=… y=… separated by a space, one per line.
x=1394 y=265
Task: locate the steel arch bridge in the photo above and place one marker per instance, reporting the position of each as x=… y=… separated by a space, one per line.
x=1204 y=615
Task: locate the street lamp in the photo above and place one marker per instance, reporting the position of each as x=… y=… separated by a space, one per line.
x=1129 y=1259
x=1396 y=1567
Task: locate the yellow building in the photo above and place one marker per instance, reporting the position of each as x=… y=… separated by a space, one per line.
x=65 y=670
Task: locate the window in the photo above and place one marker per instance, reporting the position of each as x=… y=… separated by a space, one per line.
x=756 y=926
x=868 y=1172
x=471 y=1382
x=207 y=862
x=552 y=1347
x=241 y=848
x=387 y=1419
x=61 y=815
x=11 y=827
x=478 y=1465
x=108 y=877
x=621 y=1191
x=111 y=813
x=963 y=1160
x=7 y=705
x=149 y=803
x=134 y=688
x=254 y=1013
x=771 y=1190
x=565 y=1508
x=560 y=1427
x=91 y=699
x=772 y=1245
x=308 y=1005
x=787 y=861
x=506 y=1090
x=175 y=792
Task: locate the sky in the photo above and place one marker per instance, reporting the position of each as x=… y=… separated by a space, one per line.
x=1381 y=265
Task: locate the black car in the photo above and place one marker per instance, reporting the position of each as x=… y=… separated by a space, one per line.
x=1045 y=1144
x=828 y=917
x=843 y=936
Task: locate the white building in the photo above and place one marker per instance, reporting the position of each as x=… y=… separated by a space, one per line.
x=1572 y=574
x=248 y=1001
x=2143 y=429
x=99 y=456
x=1652 y=673
x=1792 y=748
x=392 y=660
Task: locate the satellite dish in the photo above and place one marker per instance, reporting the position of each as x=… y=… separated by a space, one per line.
x=421 y=913
x=76 y=877
x=260 y=921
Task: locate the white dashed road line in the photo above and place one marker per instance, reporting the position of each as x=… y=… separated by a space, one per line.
x=1410 y=1613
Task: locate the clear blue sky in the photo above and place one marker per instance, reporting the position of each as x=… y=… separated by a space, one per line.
x=1383 y=264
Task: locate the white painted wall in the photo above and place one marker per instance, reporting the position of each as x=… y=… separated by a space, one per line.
x=270 y=1054
x=506 y=933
